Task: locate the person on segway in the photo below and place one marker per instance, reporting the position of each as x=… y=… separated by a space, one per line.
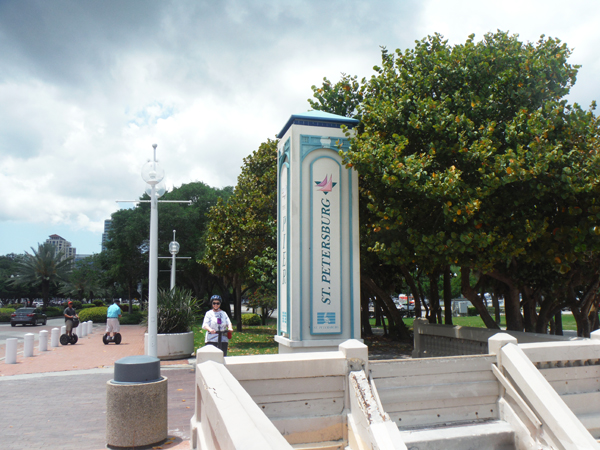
x=112 y=323
x=217 y=325
x=70 y=315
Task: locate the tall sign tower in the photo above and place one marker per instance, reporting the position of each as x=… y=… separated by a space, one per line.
x=318 y=295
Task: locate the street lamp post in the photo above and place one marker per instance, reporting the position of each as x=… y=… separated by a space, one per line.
x=153 y=174
x=174 y=249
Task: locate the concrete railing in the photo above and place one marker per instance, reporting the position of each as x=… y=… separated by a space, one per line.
x=303 y=395
x=434 y=391
x=433 y=340
x=369 y=427
x=226 y=412
x=531 y=404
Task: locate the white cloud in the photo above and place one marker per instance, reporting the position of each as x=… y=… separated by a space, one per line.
x=88 y=87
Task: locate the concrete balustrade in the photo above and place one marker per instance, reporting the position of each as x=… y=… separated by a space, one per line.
x=28 y=346
x=54 y=337
x=433 y=340
x=43 y=341
x=11 y=351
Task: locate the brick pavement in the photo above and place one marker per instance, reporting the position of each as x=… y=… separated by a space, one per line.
x=57 y=399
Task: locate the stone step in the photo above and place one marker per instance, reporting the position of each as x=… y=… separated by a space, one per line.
x=490 y=435
x=325 y=445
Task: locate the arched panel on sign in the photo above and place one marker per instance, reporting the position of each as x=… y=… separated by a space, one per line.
x=283 y=270
x=326 y=245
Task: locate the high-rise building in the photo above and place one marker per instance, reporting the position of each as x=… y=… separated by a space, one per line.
x=62 y=245
x=107 y=227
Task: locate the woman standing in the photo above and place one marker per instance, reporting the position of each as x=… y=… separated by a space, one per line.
x=217 y=325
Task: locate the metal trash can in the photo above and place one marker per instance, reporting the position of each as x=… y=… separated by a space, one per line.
x=136 y=403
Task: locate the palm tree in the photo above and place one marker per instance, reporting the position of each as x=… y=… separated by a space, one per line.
x=45 y=267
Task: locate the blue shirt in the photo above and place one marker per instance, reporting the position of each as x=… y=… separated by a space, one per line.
x=113 y=311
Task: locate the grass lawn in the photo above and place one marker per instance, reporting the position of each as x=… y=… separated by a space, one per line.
x=568 y=322
x=253 y=340
x=258 y=340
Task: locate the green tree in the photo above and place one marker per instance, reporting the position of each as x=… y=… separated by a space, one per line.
x=85 y=280
x=8 y=269
x=44 y=268
x=246 y=225
x=126 y=256
x=470 y=156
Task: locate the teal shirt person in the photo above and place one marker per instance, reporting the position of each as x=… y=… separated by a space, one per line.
x=114 y=311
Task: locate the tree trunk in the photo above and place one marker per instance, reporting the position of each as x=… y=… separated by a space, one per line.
x=237 y=306
x=417 y=294
x=512 y=302
x=447 y=296
x=365 y=315
x=496 y=304
x=434 y=298
x=471 y=294
x=400 y=328
x=558 y=329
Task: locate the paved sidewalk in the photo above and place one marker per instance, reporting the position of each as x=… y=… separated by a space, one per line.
x=57 y=398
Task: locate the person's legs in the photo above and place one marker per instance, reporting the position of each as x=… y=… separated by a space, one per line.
x=223 y=346
x=69 y=325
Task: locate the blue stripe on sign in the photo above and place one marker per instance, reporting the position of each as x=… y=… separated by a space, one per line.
x=325 y=318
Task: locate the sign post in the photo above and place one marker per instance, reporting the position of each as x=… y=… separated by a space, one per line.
x=318 y=296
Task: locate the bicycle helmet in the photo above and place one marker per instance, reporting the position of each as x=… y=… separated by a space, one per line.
x=216 y=297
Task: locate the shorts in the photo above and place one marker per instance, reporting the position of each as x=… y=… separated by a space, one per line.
x=69 y=325
x=112 y=324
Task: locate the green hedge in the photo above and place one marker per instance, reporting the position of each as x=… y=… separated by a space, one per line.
x=13 y=306
x=133 y=318
x=54 y=311
x=5 y=314
x=125 y=307
x=98 y=302
x=251 y=319
x=96 y=314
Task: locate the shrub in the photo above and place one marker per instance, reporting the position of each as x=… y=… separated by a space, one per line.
x=88 y=305
x=131 y=318
x=96 y=315
x=472 y=311
x=5 y=314
x=53 y=311
x=13 y=306
x=251 y=319
x=98 y=302
x=76 y=304
x=176 y=311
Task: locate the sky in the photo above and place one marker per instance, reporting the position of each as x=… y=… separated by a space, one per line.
x=86 y=88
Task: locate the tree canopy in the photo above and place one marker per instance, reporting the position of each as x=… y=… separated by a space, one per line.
x=43 y=267
x=470 y=155
x=245 y=227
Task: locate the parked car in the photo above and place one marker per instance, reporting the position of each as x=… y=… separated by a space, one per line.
x=32 y=316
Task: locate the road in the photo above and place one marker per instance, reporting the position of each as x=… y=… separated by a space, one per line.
x=8 y=332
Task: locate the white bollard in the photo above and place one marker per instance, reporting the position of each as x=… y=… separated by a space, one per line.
x=63 y=330
x=54 y=337
x=43 y=345
x=28 y=348
x=90 y=325
x=82 y=329
x=11 y=351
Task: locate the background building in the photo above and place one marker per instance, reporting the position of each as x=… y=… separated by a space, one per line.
x=62 y=245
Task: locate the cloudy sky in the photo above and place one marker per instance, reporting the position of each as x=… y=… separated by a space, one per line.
x=86 y=87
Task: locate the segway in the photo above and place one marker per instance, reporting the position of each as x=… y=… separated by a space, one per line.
x=108 y=339
x=65 y=339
